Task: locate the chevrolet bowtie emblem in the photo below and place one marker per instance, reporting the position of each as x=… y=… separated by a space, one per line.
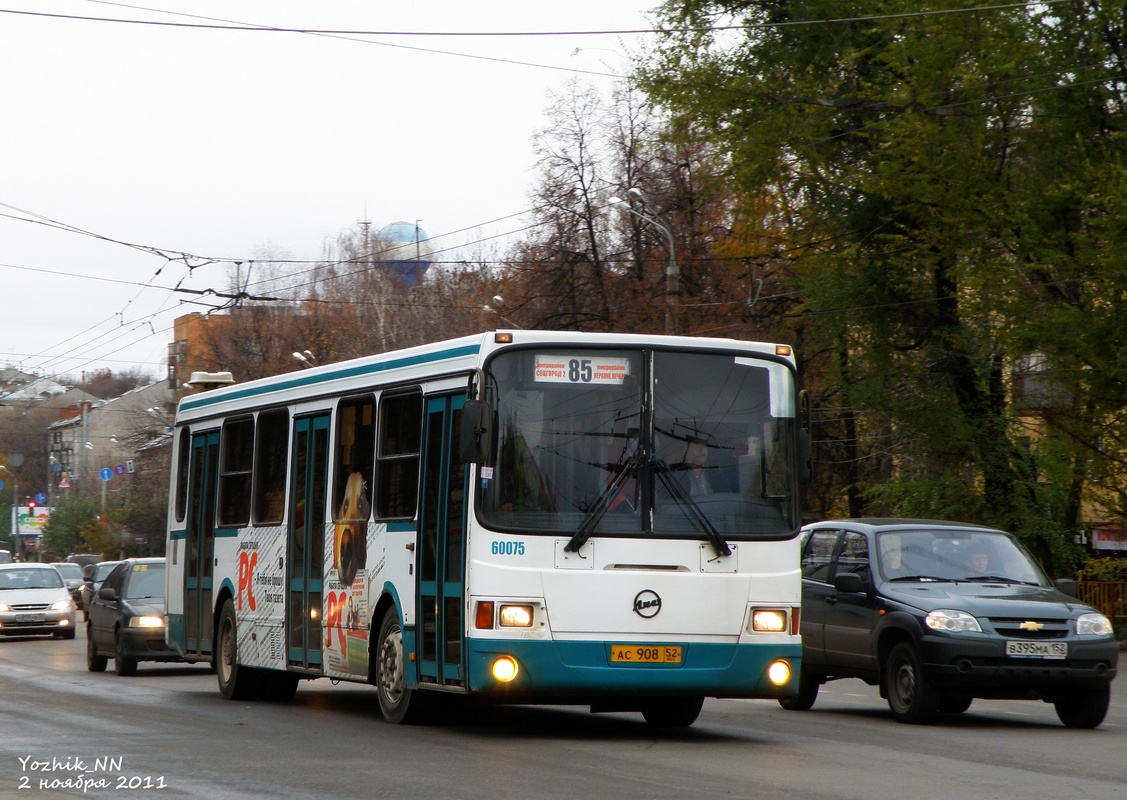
x=1031 y=626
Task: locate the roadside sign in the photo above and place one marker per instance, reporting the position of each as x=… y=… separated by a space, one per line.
x=41 y=498
x=105 y=473
x=64 y=483
x=118 y=469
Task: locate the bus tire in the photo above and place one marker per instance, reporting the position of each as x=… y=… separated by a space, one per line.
x=278 y=686
x=391 y=671
x=673 y=712
x=235 y=682
x=808 y=687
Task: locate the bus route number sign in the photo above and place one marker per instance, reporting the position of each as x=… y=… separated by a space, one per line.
x=606 y=370
x=645 y=654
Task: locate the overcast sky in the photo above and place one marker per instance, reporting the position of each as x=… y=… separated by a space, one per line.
x=117 y=139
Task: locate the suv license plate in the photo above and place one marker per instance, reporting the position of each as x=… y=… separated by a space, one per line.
x=1037 y=649
x=645 y=654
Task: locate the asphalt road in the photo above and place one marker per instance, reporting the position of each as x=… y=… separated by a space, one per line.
x=167 y=733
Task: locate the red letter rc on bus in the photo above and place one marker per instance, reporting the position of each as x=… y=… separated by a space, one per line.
x=247 y=563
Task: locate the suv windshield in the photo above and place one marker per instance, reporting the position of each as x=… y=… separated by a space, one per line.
x=636 y=442
x=956 y=555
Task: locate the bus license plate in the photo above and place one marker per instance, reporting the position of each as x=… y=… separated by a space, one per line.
x=645 y=654
x=1037 y=649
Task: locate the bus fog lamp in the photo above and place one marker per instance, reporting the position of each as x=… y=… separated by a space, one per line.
x=768 y=620
x=505 y=669
x=515 y=616
x=779 y=673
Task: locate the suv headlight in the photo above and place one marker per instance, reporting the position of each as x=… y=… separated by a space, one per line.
x=949 y=621
x=1093 y=624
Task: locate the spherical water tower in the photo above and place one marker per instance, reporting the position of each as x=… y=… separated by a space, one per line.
x=405 y=250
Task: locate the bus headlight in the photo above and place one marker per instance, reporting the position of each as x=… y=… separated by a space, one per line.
x=505 y=669
x=515 y=616
x=768 y=620
x=778 y=673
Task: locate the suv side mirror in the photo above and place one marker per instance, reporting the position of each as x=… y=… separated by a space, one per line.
x=850 y=582
x=1066 y=586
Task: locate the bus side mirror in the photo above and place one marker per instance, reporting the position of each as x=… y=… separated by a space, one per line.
x=805 y=462
x=475 y=439
x=805 y=448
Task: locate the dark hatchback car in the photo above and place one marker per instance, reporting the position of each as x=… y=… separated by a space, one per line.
x=939 y=613
x=92 y=582
x=127 y=618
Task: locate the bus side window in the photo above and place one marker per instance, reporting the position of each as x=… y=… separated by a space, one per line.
x=397 y=457
x=235 y=472
x=356 y=446
x=183 y=453
x=271 y=450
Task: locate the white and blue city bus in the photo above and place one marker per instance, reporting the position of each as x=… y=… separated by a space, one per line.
x=525 y=516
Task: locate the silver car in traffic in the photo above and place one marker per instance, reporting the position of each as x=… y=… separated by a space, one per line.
x=34 y=601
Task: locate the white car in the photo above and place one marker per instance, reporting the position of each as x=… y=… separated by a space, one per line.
x=34 y=601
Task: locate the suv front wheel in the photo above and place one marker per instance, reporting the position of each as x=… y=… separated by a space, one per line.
x=911 y=697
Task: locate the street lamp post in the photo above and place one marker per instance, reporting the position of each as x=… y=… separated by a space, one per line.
x=672 y=271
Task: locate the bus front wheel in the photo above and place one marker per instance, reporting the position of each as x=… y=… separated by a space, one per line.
x=391 y=671
x=672 y=712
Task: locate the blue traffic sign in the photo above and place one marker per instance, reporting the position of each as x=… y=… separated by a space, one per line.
x=41 y=498
x=1 y=484
x=118 y=469
x=105 y=473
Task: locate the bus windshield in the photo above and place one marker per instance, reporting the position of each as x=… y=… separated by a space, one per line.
x=641 y=442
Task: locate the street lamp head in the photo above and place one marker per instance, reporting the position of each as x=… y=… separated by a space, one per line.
x=635 y=192
x=618 y=201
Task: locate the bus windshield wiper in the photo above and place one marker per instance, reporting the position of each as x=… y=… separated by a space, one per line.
x=685 y=500
x=602 y=504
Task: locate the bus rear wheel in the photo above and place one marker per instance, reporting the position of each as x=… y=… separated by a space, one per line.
x=235 y=682
x=391 y=671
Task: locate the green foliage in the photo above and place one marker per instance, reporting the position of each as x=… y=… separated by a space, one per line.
x=1110 y=568
x=922 y=499
x=959 y=182
x=66 y=529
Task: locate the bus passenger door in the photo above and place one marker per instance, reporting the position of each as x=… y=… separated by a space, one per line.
x=442 y=523
x=305 y=547
x=200 y=545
